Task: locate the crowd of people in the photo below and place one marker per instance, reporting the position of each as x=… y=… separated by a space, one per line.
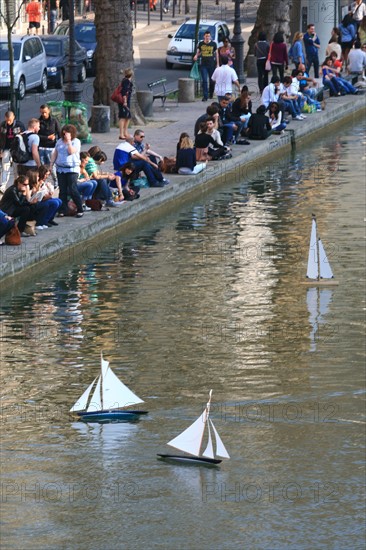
x=58 y=179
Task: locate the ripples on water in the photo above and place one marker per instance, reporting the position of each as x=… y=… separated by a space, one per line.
x=210 y=297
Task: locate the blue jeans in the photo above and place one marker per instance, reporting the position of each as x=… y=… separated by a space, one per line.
x=49 y=212
x=87 y=188
x=347 y=86
x=208 y=85
x=292 y=107
x=333 y=85
x=103 y=191
x=68 y=184
x=153 y=175
x=313 y=60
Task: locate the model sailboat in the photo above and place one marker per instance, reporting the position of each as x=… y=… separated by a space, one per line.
x=191 y=441
x=108 y=400
x=319 y=270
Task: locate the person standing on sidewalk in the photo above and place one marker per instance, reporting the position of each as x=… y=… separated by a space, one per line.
x=8 y=130
x=261 y=51
x=209 y=58
x=34 y=12
x=312 y=45
x=49 y=133
x=66 y=157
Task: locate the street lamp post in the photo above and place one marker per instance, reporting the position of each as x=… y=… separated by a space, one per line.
x=72 y=89
x=237 y=42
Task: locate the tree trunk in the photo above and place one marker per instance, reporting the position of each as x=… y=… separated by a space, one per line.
x=114 y=53
x=272 y=16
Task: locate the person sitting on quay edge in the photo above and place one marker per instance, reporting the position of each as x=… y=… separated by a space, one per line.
x=144 y=148
x=229 y=126
x=8 y=130
x=259 y=126
x=102 y=191
x=16 y=203
x=186 y=163
x=131 y=191
x=242 y=107
x=125 y=152
x=292 y=100
x=211 y=111
x=275 y=118
x=6 y=223
x=41 y=194
x=207 y=148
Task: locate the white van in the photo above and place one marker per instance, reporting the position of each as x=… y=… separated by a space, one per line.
x=180 y=48
x=30 y=64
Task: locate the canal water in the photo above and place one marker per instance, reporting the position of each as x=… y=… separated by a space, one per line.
x=210 y=297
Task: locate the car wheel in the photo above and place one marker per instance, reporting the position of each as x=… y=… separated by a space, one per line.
x=60 y=82
x=82 y=74
x=43 y=86
x=21 y=88
x=168 y=65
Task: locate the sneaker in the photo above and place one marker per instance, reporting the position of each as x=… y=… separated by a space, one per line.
x=86 y=208
x=51 y=223
x=165 y=181
x=79 y=215
x=45 y=227
x=303 y=117
x=298 y=117
x=204 y=99
x=39 y=227
x=319 y=110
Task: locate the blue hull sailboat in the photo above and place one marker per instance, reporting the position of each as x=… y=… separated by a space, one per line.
x=318 y=271
x=191 y=442
x=108 y=401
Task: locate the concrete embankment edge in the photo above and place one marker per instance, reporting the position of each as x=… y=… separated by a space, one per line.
x=80 y=239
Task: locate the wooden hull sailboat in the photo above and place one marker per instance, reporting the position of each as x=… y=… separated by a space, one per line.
x=318 y=271
x=105 y=399
x=191 y=442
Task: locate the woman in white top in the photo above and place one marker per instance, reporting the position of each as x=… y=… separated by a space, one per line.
x=66 y=158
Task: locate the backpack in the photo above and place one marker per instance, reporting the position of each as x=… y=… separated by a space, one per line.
x=19 y=149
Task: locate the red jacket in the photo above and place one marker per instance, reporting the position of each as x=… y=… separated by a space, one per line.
x=279 y=53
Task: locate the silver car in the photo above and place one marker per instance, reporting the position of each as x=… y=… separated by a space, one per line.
x=30 y=64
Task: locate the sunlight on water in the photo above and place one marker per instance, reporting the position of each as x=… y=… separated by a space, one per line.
x=208 y=297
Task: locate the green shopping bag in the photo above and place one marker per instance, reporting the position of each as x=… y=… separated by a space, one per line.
x=195 y=71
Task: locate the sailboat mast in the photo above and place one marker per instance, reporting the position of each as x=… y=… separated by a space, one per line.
x=317 y=248
x=207 y=413
x=101 y=380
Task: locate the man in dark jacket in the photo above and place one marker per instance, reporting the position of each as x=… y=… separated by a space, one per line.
x=8 y=130
x=49 y=133
x=229 y=126
x=258 y=125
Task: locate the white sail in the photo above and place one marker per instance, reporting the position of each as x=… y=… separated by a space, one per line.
x=115 y=394
x=220 y=447
x=190 y=440
x=95 y=402
x=325 y=271
x=81 y=403
x=209 y=452
x=312 y=271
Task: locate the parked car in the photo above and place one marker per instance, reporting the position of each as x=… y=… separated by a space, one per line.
x=181 y=47
x=57 y=52
x=30 y=64
x=85 y=34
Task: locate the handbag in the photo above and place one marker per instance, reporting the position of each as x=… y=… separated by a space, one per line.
x=95 y=204
x=268 y=65
x=13 y=238
x=117 y=96
x=168 y=165
x=72 y=209
x=195 y=71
